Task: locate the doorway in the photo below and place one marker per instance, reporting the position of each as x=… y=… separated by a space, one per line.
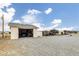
x=25 y=33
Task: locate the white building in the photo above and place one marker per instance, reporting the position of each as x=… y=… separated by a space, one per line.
x=23 y=30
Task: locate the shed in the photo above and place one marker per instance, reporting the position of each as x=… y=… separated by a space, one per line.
x=23 y=30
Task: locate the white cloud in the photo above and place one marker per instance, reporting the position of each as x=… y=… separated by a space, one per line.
x=6 y=27
x=11 y=10
x=48 y=11
x=66 y=28
x=2 y=5
x=29 y=19
x=56 y=21
x=33 y=12
x=16 y=21
x=37 y=24
x=69 y=28
x=31 y=16
x=8 y=14
x=40 y=26
x=1 y=11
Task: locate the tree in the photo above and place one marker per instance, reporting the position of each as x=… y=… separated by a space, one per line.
x=54 y=32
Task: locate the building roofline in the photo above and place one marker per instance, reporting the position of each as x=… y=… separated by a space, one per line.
x=19 y=25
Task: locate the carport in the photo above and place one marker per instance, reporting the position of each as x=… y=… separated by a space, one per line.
x=23 y=30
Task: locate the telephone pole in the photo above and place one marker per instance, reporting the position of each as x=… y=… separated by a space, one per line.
x=2 y=26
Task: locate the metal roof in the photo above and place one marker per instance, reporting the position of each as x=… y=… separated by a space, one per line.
x=25 y=26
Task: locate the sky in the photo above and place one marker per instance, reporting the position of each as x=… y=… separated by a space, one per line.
x=46 y=16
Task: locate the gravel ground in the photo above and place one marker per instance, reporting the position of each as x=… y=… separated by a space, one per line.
x=41 y=46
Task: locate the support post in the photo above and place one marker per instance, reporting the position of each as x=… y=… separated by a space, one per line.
x=3 y=26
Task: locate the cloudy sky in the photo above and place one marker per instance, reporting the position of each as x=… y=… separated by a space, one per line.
x=45 y=16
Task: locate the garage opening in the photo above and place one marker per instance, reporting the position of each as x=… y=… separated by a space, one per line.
x=25 y=33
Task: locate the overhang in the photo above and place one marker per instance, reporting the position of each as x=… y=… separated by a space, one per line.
x=24 y=26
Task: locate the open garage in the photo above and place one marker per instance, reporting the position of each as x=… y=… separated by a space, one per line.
x=25 y=33
x=23 y=30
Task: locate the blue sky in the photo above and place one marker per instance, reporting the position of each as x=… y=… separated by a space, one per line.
x=67 y=13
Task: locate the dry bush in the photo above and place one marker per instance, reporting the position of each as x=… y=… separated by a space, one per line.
x=6 y=37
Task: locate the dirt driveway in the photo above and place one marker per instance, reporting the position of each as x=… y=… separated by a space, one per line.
x=44 y=46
